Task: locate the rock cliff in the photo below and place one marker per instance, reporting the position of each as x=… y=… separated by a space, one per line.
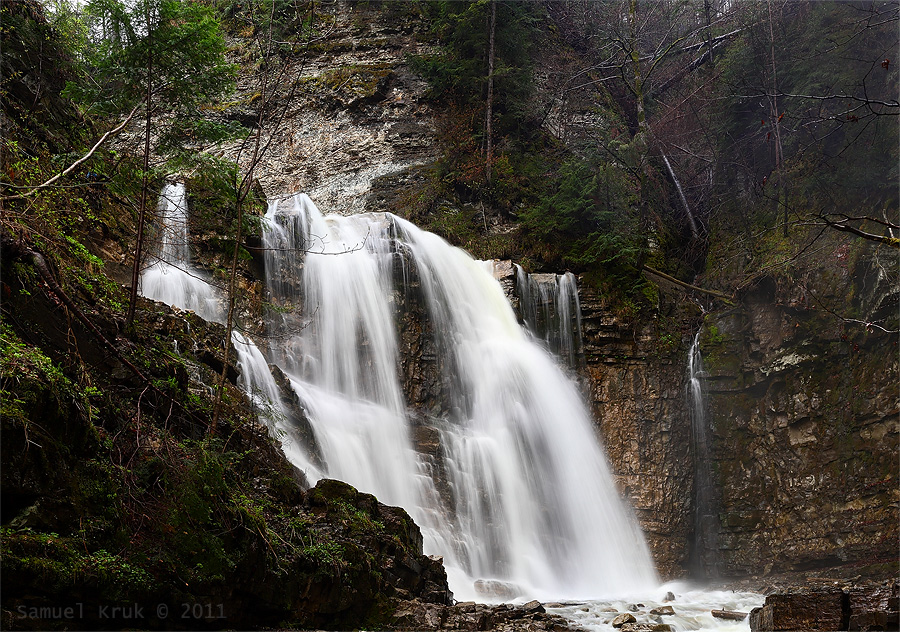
x=803 y=405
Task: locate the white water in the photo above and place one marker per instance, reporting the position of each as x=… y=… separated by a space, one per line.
x=705 y=523
x=171 y=279
x=693 y=609
x=534 y=504
x=550 y=308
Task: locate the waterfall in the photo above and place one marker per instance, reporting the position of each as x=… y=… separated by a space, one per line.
x=532 y=506
x=550 y=308
x=704 y=544
x=171 y=279
x=529 y=506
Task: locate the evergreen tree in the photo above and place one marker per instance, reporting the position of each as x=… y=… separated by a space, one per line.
x=165 y=57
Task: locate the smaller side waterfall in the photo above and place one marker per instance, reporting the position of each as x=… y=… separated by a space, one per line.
x=171 y=279
x=704 y=544
x=550 y=308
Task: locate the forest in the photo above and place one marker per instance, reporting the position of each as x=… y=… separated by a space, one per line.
x=713 y=177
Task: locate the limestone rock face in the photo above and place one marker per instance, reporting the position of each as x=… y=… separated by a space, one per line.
x=636 y=391
x=804 y=415
x=354 y=113
x=862 y=607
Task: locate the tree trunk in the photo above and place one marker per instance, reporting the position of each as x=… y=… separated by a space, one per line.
x=781 y=192
x=709 y=45
x=490 y=92
x=642 y=135
x=682 y=197
x=242 y=190
x=139 y=245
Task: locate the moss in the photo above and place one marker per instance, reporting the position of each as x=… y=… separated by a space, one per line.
x=60 y=562
x=352 y=83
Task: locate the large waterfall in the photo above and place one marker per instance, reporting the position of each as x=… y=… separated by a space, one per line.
x=531 y=502
x=518 y=498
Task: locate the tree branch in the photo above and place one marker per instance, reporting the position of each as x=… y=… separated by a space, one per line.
x=75 y=164
x=893 y=242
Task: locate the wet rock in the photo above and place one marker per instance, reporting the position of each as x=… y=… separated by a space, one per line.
x=298 y=420
x=495 y=589
x=729 y=615
x=663 y=610
x=533 y=607
x=646 y=627
x=807 y=610
x=530 y=617
x=622 y=619
x=874 y=607
x=670 y=596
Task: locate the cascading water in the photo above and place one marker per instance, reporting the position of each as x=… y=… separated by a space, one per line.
x=171 y=279
x=550 y=308
x=533 y=503
x=702 y=559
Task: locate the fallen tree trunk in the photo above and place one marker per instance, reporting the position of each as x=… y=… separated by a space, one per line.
x=721 y=295
x=729 y=615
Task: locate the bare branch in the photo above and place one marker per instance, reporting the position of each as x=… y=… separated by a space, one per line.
x=78 y=162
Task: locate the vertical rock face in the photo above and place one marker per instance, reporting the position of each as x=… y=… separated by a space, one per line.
x=636 y=392
x=354 y=114
x=803 y=407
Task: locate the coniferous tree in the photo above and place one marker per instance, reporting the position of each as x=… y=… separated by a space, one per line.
x=167 y=58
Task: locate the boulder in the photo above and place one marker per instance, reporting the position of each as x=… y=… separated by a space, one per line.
x=663 y=610
x=729 y=615
x=622 y=619
x=495 y=589
x=874 y=607
x=806 y=610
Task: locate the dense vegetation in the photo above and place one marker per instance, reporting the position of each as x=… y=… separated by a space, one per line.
x=710 y=126
x=715 y=142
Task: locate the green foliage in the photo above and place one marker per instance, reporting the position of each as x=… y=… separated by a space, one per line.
x=459 y=71
x=287 y=22
x=167 y=55
x=59 y=562
x=458 y=75
x=590 y=222
x=24 y=374
x=839 y=154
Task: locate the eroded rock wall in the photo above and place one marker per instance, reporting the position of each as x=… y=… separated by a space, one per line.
x=636 y=377
x=351 y=110
x=803 y=404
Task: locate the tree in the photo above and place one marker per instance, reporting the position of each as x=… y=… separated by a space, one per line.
x=638 y=54
x=485 y=64
x=811 y=126
x=276 y=50
x=166 y=56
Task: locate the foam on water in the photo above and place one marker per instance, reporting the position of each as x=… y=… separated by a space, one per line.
x=693 y=608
